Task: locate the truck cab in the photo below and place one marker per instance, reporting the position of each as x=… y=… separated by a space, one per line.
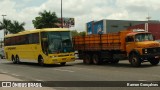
x=141 y=47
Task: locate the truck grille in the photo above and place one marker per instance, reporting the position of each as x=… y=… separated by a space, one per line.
x=152 y=50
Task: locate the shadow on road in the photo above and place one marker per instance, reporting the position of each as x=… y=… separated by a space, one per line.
x=37 y=65
x=120 y=64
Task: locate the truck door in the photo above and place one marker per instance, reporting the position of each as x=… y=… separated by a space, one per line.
x=130 y=44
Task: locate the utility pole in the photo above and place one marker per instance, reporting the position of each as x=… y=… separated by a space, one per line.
x=3 y=15
x=147 y=24
x=61 y=15
x=3 y=20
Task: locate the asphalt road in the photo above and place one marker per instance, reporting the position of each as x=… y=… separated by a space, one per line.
x=77 y=71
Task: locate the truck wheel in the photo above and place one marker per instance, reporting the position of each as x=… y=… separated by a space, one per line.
x=134 y=60
x=154 y=61
x=96 y=59
x=87 y=59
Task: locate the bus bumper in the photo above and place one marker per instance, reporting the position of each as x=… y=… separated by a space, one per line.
x=60 y=60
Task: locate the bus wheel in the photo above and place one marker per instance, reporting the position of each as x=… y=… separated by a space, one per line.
x=134 y=60
x=63 y=63
x=17 y=60
x=14 y=60
x=96 y=59
x=41 y=61
x=154 y=61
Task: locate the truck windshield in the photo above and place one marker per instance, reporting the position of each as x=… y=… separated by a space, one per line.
x=59 y=42
x=144 y=37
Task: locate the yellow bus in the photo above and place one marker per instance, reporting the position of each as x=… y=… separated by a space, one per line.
x=44 y=46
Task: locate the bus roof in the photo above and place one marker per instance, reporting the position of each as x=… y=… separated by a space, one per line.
x=38 y=30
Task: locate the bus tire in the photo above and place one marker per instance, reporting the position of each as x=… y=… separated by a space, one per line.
x=135 y=60
x=17 y=59
x=154 y=61
x=40 y=61
x=13 y=60
x=63 y=63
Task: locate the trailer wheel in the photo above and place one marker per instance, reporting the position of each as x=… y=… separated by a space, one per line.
x=87 y=59
x=96 y=59
x=154 y=61
x=134 y=60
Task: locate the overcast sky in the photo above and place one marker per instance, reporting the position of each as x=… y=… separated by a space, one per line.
x=82 y=10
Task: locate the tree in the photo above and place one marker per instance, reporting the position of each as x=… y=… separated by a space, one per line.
x=16 y=27
x=45 y=20
x=83 y=33
x=5 y=24
x=75 y=33
x=11 y=27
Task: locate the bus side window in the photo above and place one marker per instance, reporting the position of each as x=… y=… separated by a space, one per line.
x=33 y=38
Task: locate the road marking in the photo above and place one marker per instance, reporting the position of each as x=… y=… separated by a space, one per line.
x=3 y=72
x=142 y=80
x=15 y=75
x=79 y=68
x=38 y=80
x=63 y=70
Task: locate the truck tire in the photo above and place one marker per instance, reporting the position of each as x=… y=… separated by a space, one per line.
x=96 y=59
x=135 y=60
x=87 y=59
x=154 y=61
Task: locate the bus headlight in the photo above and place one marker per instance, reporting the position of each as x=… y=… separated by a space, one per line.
x=53 y=56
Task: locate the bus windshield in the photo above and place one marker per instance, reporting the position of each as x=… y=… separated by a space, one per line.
x=59 y=42
x=144 y=37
